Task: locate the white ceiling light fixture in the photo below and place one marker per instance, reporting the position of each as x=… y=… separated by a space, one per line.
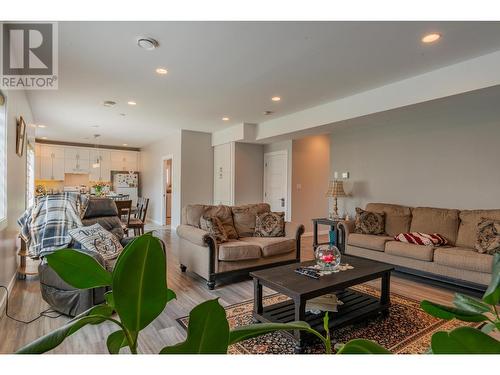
x=131 y=102
x=125 y=144
x=147 y=43
x=42 y=126
x=431 y=38
x=161 y=71
x=108 y=103
x=225 y=119
x=44 y=137
x=275 y=98
x=97 y=163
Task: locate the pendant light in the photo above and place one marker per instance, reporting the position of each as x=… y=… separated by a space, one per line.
x=97 y=163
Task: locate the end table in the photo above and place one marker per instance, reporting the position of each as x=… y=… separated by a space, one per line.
x=332 y=223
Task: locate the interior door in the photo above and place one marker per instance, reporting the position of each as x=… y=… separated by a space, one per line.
x=276 y=181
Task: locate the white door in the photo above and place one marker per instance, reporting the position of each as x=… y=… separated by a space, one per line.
x=276 y=181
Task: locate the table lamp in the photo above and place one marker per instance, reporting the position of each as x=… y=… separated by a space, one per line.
x=336 y=190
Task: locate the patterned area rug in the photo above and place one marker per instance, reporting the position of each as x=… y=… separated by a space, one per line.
x=407 y=329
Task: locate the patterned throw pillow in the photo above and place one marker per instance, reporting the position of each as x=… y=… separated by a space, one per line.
x=369 y=222
x=419 y=238
x=270 y=224
x=213 y=225
x=488 y=236
x=96 y=238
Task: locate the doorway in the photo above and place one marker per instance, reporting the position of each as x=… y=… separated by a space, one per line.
x=167 y=191
x=276 y=181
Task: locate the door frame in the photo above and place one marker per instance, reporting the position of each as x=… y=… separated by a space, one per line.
x=163 y=194
x=287 y=187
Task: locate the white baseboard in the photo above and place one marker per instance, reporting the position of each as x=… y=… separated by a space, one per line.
x=320 y=232
x=149 y=220
x=10 y=286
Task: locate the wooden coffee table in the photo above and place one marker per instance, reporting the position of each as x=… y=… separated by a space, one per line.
x=357 y=306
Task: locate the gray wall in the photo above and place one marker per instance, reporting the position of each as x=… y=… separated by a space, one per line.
x=423 y=157
x=249 y=173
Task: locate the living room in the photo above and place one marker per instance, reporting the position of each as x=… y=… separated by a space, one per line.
x=241 y=185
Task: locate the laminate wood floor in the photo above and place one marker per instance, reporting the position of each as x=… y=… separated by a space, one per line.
x=26 y=303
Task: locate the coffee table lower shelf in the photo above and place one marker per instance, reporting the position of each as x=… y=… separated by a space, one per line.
x=357 y=306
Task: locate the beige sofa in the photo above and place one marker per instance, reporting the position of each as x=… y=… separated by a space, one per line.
x=200 y=253
x=457 y=263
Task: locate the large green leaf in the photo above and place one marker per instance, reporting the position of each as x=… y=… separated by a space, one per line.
x=492 y=294
x=449 y=313
x=116 y=341
x=361 y=346
x=208 y=331
x=254 y=330
x=139 y=282
x=78 y=269
x=470 y=304
x=464 y=340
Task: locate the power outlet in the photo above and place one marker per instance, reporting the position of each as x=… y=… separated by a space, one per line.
x=345 y=175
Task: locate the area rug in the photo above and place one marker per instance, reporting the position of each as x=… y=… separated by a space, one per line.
x=407 y=329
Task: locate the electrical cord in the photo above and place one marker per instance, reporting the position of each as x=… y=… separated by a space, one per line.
x=45 y=313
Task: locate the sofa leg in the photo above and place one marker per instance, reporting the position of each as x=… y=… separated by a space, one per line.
x=211 y=284
x=183 y=268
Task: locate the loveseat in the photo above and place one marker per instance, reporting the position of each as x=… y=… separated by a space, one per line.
x=200 y=253
x=456 y=263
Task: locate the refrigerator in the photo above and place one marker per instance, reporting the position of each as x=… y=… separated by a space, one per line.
x=127 y=184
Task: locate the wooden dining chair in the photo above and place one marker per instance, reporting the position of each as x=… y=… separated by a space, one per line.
x=124 y=209
x=139 y=220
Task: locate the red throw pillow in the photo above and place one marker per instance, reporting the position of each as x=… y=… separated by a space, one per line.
x=420 y=238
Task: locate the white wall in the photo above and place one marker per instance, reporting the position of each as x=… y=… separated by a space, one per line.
x=439 y=156
x=249 y=173
x=17 y=105
x=151 y=176
x=197 y=168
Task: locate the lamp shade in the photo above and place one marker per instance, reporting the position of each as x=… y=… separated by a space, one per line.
x=336 y=189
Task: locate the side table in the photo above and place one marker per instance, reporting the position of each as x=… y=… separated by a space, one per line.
x=332 y=223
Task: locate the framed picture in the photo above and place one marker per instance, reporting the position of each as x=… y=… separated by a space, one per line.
x=20 y=136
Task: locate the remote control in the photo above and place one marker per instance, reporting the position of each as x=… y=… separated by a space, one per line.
x=308 y=272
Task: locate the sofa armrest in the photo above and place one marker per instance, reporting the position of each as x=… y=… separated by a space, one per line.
x=194 y=235
x=295 y=231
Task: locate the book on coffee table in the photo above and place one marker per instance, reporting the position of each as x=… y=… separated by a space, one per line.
x=327 y=302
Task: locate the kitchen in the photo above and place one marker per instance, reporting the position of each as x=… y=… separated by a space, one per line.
x=100 y=170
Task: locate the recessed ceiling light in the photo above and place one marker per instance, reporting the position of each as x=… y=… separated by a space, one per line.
x=148 y=44
x=42 y=126
x=275 y=98
x=108 y=103
x=267 y=113
x=123 y=114
x=125 y=144
x=94 y=126
x=225 y=119
x=44 y=137
x=431 y=38
x=131 y=102
x=161 y=71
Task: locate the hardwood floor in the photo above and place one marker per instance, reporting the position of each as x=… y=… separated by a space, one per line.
x=26 y=303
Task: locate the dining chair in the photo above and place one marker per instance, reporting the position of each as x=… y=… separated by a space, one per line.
x=139 y=220
x=124 y=209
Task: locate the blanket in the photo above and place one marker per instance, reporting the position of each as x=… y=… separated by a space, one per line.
x=45 y=226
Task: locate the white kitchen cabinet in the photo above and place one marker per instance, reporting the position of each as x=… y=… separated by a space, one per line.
x=51 y=163
x=124 y=161
x=103 y=172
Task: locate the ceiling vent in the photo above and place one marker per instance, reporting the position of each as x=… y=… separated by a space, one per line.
x=148 y=44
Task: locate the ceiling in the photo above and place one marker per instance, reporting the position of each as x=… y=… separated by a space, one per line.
x=232 y=69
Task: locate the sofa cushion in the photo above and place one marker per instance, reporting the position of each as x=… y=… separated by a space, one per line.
x=469 y=220
x=225 y=216
x=488 y=237
x=244 y=217
x=368 y=241
x=272 y=245
x=270 y=224
x=463 y=258
x=409 y=250
x=99 y=207
x=436 y=220
x=368 y=222
x=397 y=218
x=235 y=250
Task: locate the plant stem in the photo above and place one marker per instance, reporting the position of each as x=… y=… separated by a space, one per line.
x=326 y=342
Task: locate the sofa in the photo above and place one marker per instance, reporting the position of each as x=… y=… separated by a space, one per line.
x=200 y=253
x=456 y=263
x=65 y=298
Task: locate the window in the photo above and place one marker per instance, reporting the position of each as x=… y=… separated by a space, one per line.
x=3 y=161
x=30 y=175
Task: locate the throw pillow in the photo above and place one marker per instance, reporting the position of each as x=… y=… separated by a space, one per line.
x=270 y=224
x=419 y=238
x=488 y=236
x=368 y=222
x=213 y=225
x=96 y=238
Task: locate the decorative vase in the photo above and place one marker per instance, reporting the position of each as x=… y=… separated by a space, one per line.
x=327 y=257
